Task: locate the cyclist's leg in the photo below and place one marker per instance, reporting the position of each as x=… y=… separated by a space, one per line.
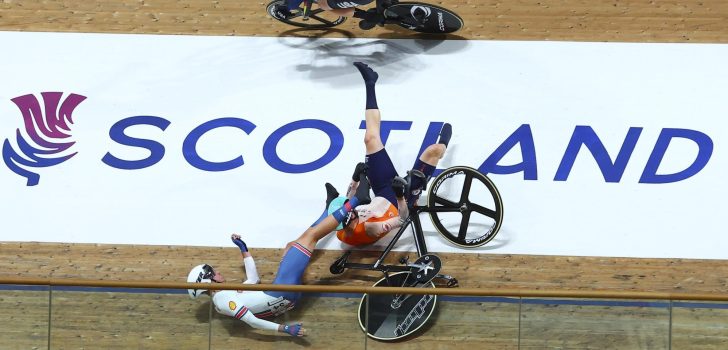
x=290 y=271
x=432 y=154
x=313 y=234
x=381 y=172
x=427 y=162
x=372 y=138
x=297 y=255
x=381 y=169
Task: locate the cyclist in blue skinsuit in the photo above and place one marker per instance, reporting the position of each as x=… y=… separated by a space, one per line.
x=389 y=208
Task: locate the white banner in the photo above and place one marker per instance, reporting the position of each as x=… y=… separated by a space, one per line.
x=598 y=149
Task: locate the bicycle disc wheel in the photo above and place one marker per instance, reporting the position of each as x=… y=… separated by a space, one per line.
x=388 y=317
x=317 y=19
x=424 y=18
x=466 y=207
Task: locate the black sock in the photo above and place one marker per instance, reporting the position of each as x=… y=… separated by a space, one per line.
x=370 y=79
x=445 y=134
x=371 y=97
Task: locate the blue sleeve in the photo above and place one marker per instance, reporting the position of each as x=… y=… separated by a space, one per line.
x=293 y=4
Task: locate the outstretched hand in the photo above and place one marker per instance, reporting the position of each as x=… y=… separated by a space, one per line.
x=295 y=330
x=239 y=242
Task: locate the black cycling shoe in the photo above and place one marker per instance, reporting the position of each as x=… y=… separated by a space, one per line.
x=282 y=12
x=369 y=18
x=366 y=25
x=361 y=168
x=331 y=193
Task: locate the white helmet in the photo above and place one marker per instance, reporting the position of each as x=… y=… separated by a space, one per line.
x=200 y=274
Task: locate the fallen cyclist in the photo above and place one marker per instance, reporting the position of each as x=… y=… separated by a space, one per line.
x=393 y=194
x=253 y=307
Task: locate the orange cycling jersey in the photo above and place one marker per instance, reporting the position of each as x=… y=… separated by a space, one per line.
x=379 y=211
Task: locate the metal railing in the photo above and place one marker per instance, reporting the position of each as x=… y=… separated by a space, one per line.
x=512 y=292
x=112 y=316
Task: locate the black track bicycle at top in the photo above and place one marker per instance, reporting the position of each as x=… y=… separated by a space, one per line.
x=415 y=16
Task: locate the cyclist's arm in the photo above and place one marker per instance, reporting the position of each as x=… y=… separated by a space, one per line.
x=258 y=323
x=379 y=229
x=402 y=208
x=227 y=306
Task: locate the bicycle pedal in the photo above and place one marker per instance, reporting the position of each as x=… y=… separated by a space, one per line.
x=445 y=281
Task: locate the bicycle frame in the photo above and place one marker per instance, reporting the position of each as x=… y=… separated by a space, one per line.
x=412 y=219
x=435 y=206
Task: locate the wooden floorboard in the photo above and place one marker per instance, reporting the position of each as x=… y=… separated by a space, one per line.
x=172 y=263
x=160 y=321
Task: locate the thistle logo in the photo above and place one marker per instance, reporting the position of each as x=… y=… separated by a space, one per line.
x=46 y=132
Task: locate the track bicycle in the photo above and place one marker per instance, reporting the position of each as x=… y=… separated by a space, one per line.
x=416 y=16
x=467 y=210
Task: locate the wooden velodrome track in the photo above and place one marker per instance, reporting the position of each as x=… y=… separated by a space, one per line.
x=103 y=320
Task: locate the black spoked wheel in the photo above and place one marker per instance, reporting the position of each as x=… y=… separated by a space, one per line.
x=468 y=209
x=424 y=18
x=317 y=19
x=390 y=317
